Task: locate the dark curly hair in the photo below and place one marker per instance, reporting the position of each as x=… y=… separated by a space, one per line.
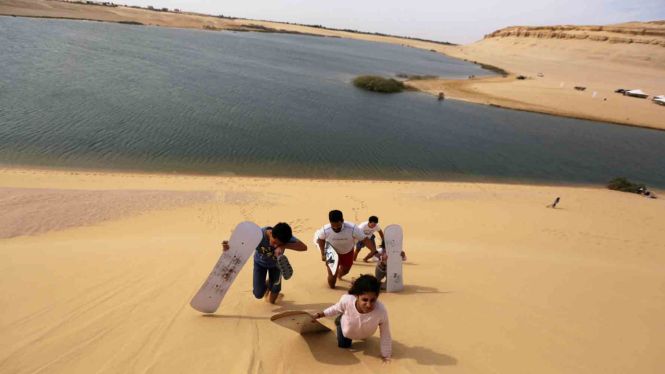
x=282 y=232
x=335 y=216
x=365 y=283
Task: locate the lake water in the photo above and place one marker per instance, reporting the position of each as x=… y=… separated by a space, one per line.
x=120 y=97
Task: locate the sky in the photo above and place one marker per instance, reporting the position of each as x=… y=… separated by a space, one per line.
x=460 y=22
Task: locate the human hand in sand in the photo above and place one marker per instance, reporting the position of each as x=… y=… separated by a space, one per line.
x=387 y=360
x=317 y=316
x=225 y=246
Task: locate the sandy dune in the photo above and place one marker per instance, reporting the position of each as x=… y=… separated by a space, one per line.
x=600 y=66
x=98 y=268
x=495 y=282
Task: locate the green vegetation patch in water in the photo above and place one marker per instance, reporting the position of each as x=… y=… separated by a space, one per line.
x=624 y=185
x=378 y=84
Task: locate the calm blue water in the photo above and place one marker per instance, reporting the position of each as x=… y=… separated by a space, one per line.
x=121 y=97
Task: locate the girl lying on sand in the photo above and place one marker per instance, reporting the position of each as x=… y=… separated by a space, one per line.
x=361 y=313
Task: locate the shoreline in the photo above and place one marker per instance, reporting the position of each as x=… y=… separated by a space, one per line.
x=4 y=168
x=554 y=114
x=60 y=172
x=461 y=91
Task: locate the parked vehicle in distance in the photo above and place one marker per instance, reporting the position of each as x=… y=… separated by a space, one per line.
x=580 y=88
x=636 y=93
x=521 y=77
x=541 y=74
x=620 y=90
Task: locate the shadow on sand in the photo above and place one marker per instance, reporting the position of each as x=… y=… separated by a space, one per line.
x=373 y=264
x=365 y=264
x=324 y=349
x=412 y=289
x=422 y=355
x=233 y=317
x=285 y=305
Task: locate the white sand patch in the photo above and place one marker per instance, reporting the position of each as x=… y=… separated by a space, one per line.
x=36 y=211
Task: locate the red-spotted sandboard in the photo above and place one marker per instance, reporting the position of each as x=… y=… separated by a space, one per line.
x=243 y=242
x=298 y=321
x=394 y=238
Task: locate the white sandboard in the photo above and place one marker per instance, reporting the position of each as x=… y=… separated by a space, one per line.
x=243 y=242
x=393 y=234
x=298 y=321
x=332 y=258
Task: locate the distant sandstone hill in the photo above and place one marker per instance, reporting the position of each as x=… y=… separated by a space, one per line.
x=631 y=32
x=633 y=45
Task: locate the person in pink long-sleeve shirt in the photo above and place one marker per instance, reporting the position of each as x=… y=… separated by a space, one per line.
x=361 y=314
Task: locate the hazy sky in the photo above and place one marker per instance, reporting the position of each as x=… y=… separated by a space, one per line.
x=461 y=22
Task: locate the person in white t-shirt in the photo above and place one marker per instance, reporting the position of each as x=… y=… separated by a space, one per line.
x=369 y=228
x=341 y=236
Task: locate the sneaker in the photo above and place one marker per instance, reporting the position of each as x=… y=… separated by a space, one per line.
x=284 y=267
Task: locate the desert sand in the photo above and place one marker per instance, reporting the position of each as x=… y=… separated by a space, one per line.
x=600 y=58
x=98 y=270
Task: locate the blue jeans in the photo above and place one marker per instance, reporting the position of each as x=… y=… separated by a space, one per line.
x=260 y=280
x=342 y=341
x=362 y=245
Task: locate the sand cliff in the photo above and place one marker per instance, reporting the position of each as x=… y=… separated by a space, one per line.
x=600 y=58
x=640 y=32
x=603 y=43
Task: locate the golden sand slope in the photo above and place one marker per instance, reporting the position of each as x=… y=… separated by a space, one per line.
x=495 y=282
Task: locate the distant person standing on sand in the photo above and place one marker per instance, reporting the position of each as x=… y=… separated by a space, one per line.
x=361 y=314
x=369 y=228
x=341 y=236
x=269 y=260
x=553 y=205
